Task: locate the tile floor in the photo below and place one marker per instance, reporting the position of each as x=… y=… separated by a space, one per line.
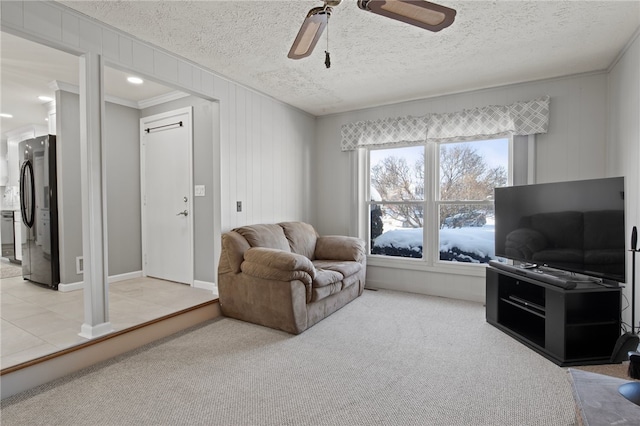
x=37 y=321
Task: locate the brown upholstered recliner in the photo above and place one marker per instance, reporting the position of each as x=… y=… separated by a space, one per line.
x=285 y=276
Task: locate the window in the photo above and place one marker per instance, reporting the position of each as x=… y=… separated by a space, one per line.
x=436 y=198
x=397 y=207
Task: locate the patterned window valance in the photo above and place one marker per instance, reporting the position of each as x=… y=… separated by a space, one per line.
x=520 y=118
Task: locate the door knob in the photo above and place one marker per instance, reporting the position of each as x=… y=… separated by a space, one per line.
x=183 y=213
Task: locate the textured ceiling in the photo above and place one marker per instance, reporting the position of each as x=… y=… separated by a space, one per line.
x=376 y=60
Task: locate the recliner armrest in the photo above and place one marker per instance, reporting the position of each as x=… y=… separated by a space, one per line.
x=279 y=260
x=339 y=247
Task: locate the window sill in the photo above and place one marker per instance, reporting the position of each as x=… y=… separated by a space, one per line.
x=456 y=268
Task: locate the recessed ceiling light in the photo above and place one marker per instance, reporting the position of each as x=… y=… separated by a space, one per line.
x=3 y=115
x=135 y=80
x=45 y=98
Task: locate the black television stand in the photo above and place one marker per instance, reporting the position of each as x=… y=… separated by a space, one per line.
x=570 y=326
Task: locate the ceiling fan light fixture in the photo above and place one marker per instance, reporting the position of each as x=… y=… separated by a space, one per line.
x=420 y=13
x=311 y=30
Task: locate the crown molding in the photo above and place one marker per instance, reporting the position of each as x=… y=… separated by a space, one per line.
x=145 y=103
x=26 y=131
x=157 y=100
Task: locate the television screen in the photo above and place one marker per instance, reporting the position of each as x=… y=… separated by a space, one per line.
x=575 y=226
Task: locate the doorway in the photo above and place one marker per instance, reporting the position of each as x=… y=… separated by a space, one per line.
x=166 y=144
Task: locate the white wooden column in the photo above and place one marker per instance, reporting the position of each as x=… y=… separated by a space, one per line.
x=94 y=198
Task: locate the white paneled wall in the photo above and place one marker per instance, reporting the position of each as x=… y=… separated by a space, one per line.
x=267 y=160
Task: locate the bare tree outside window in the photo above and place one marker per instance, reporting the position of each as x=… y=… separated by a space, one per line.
x=466 y=176
x=397 y=180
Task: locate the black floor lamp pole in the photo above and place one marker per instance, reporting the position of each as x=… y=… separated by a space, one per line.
x=633 y=286
x=631 y=390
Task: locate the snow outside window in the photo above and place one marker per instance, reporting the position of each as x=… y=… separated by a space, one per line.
x=436 y=198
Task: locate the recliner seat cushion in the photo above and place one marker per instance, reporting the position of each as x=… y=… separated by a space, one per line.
x=325 y=277
x=349 y=281
x=345 y=268
x=319 y=293
x=325 y=284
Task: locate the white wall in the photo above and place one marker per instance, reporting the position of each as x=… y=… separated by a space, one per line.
x=623 y=148
x=574 y=148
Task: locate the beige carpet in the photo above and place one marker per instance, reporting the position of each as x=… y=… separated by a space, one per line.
x=388 y=358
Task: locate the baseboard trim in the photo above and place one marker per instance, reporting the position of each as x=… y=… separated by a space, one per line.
x=124 y=277
x=89 y=331
x=439 y=287
x=50 y=367
x=112 y=279
x=206 y=285
x=64 y=288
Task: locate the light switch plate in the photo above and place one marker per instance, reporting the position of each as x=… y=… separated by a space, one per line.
x=198 y=191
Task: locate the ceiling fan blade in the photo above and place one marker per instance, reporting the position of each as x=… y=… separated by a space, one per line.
x=423 y=14
x=310 y=32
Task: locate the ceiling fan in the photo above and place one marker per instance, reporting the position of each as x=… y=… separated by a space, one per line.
x=421 y=13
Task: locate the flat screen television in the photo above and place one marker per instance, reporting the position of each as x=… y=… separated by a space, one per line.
x=575 y=226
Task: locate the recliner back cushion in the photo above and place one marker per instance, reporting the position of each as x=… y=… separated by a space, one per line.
x=265 y=235
x=302 y=238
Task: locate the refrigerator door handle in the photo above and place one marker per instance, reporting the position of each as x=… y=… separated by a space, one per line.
x=28 y=216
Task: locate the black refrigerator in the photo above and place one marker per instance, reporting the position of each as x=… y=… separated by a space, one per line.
x=39 y=211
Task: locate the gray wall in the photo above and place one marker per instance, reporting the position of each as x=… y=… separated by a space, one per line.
x=122 y=154
x=122 y=150
x=623 y=145
x=69 y=196
x=205 y=129
x=574 y=148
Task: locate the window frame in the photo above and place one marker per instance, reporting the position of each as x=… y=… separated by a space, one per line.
x=430 y=260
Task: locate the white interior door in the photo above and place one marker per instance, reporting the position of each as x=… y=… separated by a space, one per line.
x=167 y=225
